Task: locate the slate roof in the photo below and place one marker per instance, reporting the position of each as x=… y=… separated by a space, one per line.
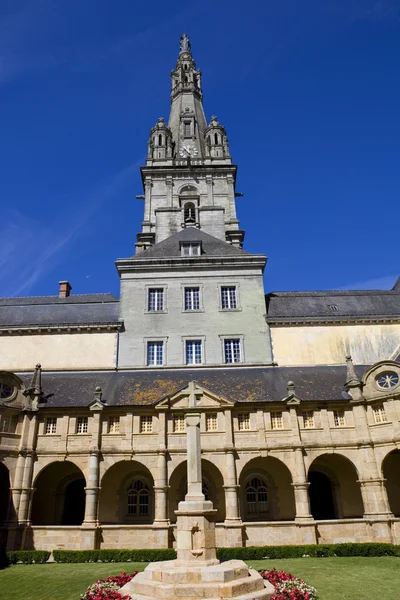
x=211 y=246
x=147 y=387
x=78 y=309
x=332 y=305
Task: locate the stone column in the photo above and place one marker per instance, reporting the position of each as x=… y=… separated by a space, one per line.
x=231 y=488
x=147 y=200
x=17 y=485
x=210 y=195
x=301 y=486
x=169 y=183
x=26 y=490
x=161 y=491
x=92 y=489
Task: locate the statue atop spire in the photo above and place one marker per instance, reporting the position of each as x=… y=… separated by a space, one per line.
x=185 y=43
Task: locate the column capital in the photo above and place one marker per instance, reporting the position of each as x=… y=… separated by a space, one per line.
x=302 y=485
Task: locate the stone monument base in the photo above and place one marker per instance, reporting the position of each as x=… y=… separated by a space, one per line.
x=171 y=580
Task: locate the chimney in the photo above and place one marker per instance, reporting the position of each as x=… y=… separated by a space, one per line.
x=65 y=289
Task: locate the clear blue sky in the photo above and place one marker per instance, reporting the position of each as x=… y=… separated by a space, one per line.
x=309 y=92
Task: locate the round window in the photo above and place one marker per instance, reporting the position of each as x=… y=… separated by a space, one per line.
x=387 y=380
x=6 y=391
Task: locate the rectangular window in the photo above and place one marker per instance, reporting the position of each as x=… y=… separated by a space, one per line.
x=82 y=425
x=187 y=132
x=192 y=298
x=155 y=353
x=191 y=249
x=308 y=419
x=243 y=421
x=194 y=354
x=339 y=418
x=228 y=297
x=51 y=425
x=146 y=424
x=211 y=422
x=9 y=423
x=113 y=424
x=232 y=351
x=179 y=423
x=276 y=420
x=156 y=299
x=379 y=413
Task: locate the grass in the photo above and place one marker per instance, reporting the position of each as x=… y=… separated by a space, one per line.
x=355 y=578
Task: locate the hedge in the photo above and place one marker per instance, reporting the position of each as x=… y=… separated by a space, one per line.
x=82 y=556
x=250 y=553
x=27 y=557
x=313 y=550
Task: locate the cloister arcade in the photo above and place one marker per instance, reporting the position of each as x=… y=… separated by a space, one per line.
x=334 y=490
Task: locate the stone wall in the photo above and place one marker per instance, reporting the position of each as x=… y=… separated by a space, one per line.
x=327 y=345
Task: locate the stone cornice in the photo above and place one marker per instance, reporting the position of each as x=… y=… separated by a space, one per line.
x=180 y=263
x=60 y=328
x=339 y=320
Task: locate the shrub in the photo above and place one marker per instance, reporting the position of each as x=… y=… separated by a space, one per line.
x=108 y=589
x=82 y=556
x=313 y=550
x=27 y=557
x=288 y=587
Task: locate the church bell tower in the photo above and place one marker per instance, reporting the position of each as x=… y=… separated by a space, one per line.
x=189 y=179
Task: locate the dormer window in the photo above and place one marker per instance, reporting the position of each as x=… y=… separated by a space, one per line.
x=191 y=249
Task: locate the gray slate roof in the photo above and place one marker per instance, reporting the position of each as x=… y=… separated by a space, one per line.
x=79 y=309
x=332 y=305
x=211 y=246
x=147 y=387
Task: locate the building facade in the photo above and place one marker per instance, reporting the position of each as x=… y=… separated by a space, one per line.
x=299 y=392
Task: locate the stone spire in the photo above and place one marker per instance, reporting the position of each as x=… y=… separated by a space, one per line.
x=187 y=121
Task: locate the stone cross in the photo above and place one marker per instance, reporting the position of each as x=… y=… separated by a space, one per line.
x=194 y=491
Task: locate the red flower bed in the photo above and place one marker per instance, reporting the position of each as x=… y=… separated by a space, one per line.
x=289 y=587
x=108 y=589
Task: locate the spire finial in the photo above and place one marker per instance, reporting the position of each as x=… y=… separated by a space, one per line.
x=351 y=380
x=184 y=43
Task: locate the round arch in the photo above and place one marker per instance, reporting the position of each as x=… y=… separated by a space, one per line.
x=59 y=497
x=127 y=494
x=266 y=491
x=334 y=490
x=391 y=473
x=4 y=494
x=213 y=488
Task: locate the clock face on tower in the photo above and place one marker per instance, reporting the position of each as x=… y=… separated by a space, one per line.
x=188 y=150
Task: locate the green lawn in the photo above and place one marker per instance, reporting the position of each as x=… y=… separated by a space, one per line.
x=335 y=578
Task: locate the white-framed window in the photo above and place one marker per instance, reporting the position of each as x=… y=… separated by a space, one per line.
x=192 y=298
x=211 y=422
x=194 y=352
x=256 y=497
x=244 y=421
x=138 y=498
x=113 y=424
x=191 y=249
x=228 y=297
x=50 y=425
x=146 y=424
x=339 y=418
x=379 y=413
x=9 y=423
x=82 y=425
x=276 y=419
x=232 y=351
x=179 y=423
x=155 y=353
x=308 y=417
x=155 y=299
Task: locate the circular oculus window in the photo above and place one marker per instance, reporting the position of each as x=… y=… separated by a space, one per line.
x=6 y=391
x=387 y=380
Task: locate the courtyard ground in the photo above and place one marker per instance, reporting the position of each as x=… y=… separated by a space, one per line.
x=335 y=578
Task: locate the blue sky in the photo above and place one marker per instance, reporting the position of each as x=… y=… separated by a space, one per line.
x=308 y=91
